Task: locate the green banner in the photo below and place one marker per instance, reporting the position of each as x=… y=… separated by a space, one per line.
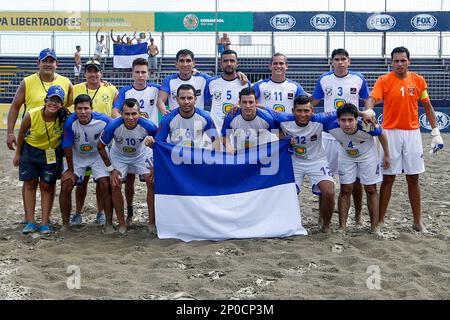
x=203 y=21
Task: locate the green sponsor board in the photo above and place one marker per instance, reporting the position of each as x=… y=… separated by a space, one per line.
x=203 y=21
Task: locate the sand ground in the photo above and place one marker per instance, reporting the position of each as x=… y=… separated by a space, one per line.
x=139 y=266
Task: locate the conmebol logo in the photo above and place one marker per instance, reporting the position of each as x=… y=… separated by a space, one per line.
x=424 y=21
x=282 y=22
x=381 y=22
x=323 y=21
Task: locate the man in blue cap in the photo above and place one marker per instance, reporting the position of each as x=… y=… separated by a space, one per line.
x=33 y=90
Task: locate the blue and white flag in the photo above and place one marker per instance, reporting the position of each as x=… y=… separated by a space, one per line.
x=201 y=194
x=124 y=54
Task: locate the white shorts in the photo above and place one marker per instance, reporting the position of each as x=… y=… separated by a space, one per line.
x=80 y=166
x=140 y=164
x=406 y=150
x=132 y=170
x=316 y=171
x=77 y=70
x=332 y=149
x=367 y=170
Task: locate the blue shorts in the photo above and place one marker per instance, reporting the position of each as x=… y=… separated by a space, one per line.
x=33 y=164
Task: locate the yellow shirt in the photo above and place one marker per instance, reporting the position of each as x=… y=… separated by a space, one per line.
x=35 y=90
x=37 y=135
x=102 y=99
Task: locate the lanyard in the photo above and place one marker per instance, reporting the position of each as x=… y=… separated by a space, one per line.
x=87 y=92
x=46 y=130
x=42 y=82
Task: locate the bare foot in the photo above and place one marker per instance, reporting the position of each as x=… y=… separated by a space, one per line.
x=151 y=229
x=109 y=229
x=420 y=227
x=129 y=220
x=359 y=223
x=122 y=230
x=376 y=231
x=64 y=228
x=320 y=221
x=326 y=229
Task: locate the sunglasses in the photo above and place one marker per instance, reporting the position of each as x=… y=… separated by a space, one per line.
x=93 y=62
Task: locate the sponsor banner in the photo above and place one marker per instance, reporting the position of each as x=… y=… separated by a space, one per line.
x=76 y=21
x=203 y=21
x=355 y=21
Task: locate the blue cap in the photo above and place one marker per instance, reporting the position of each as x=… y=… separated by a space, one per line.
x=47 y=53
x=55 y=91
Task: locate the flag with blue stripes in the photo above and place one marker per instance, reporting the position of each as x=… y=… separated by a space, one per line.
x=124 y=54
x=201 y=194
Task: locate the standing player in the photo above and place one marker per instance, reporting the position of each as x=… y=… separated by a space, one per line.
x=309 y=158
x=222 y=92
x=278 y=92
x=152 y=51
x=129 y=152
x=336 y=88
x=187 y=125
x=82 y=131
x=102 y=95
x=146 y=94
x=400 y=90
x=249 y=126
x=77 y=65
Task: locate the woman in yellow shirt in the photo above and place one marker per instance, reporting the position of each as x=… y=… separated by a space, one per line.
x=39 y=156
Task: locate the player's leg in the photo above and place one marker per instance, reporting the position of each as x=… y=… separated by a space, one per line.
x=414 y=199
x=105 y=194
x=372 y=205
x=385 y=195
x=47 y=182
x=65 y=202
x=100 y=218
x=30 y=189
x=80 y=198
x=149 y=180
x=327 y=204
x=129 y=195
x=348 y=171
x=357 y=194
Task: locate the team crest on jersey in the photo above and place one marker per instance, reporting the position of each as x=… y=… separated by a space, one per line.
x=290 y=95
x=226 y=107
x=152 y=102
x=300 y=150
x=143 y=115
x=58 y=130
x=105 y=98
x=119 y=140
x=129 y=149
x=198 y=92
x=77 y=136
x=314 y=137
x=338 y=103
x=267 y=94
x=353 y=90
x=353 y=152
x=174 y=94
x=328 y=91
x=278 y=108
x=86 y=148
x=411 y=90
x=217 y=95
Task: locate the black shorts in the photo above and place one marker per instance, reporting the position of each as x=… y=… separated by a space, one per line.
x=33 y=164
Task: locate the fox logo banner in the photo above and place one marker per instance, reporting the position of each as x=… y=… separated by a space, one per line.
x=202 y=194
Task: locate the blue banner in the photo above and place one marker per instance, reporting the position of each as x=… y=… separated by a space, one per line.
x=354 y=21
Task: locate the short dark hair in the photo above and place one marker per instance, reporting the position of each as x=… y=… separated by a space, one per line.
x=139 y=62
x=77 y=47
x=339 y=51
x=247 y=92
x=82 y=98
x=228 y=51
x=184 y=52
x=185 y=87
x=131 y=103
x=278 y=54
x=400 y=50
x=348 y=108
x=301 y=100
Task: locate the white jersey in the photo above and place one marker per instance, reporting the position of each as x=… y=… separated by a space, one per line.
x=356 y=147
x=249 y=133
x=99 y=48
x=128 y=142
x=83 y=138
x=187 y=132
x=222 y=95
x=146 y=97
x=278 y=96
x=308 y=139
x=336 y=91
x=171 y=84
